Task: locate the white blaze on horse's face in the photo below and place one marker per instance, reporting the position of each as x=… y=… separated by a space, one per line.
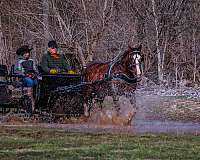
x=137 y=58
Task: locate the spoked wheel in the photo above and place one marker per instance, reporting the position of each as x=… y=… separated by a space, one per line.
x=69 y=105
x=26 y=104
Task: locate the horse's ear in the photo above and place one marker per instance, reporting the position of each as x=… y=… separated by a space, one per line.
x=130 y=48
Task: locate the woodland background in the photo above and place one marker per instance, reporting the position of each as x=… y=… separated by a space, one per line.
x=89 y=30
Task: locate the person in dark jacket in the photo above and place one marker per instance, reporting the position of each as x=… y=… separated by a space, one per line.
x=53 y=62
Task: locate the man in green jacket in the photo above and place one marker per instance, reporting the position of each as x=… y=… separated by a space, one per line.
x=53 y=62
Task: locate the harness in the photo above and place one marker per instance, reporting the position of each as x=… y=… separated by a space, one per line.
x=119 y=76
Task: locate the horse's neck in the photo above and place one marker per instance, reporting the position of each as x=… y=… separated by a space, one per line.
x=125 y=60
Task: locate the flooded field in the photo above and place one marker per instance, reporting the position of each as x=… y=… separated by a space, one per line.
x=156 y=114
x=164 y=114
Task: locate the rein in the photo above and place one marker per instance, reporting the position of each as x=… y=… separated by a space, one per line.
x=112 y=63
x=124 y=77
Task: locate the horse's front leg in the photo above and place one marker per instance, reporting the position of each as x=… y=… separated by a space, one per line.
x=87 y=106
x=86 y=110
x=115 y=97
x=132 y=98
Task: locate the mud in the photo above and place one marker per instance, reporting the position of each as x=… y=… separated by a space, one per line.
x=151 y=117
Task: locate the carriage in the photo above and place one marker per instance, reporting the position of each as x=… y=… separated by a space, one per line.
x=67 y=94
x=54 y=92
x=14 y=96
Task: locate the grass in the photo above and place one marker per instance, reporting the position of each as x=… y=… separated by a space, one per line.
x=47 y=144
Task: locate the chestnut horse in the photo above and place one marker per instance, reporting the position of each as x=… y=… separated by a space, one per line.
x=116 y=77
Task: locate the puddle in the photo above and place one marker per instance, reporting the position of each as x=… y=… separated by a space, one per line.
x=143 y=124
x=155 y=126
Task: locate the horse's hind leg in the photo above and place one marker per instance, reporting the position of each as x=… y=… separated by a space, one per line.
x=115 y=101
x=132 y=98
x=115 y=95
x=86 y=110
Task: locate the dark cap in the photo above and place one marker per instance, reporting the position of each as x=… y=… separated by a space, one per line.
x=23 y=49
x=52 y=44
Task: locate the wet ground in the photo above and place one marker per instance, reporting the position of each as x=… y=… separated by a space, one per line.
x=153 y=115
x=156 y=114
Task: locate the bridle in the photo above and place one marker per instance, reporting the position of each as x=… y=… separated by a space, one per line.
x=123 y=76
x=133 y=56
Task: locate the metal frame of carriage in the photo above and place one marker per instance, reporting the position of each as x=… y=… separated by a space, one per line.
x=52 y=88
x=13 y=95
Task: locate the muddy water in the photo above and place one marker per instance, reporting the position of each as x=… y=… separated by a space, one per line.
x=155 y=126
x=145 y=123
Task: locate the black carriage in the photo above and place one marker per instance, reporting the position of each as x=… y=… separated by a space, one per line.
x=13 y=96
x=60 y=94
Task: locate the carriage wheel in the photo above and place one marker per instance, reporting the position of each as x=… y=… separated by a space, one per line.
x=70 y=105
x=26 y=104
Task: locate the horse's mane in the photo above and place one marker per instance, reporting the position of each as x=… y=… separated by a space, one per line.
x=125 y=54
x=117 y=58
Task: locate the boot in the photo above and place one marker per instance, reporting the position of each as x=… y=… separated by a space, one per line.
x=30 y=94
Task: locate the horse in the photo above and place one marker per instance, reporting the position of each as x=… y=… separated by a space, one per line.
x=115 y=78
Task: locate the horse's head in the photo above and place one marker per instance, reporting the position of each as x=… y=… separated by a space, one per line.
x=133 y=60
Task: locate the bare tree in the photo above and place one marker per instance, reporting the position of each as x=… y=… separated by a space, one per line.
x=1 y=44
x=101 y=29
x=46 y=21
x=160 y=69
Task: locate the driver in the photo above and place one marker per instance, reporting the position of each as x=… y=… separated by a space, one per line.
x=53 y=62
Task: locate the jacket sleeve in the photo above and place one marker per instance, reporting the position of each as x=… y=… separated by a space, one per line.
x=18 y=69
x=44 y=64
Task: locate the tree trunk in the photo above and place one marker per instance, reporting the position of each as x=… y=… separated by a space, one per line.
x=46 y=21
x=195 y=54
x=160 y=70
x=1 y=44
x=86 y=31
x=164 y=50
x=80 y=55
x=176 y=72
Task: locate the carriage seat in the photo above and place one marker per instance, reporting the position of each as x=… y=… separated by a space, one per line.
x=3 y=74
x=3 y=70
x=4 y=82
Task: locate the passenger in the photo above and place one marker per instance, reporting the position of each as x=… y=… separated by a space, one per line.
x=26 y=67
x=53 y=62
